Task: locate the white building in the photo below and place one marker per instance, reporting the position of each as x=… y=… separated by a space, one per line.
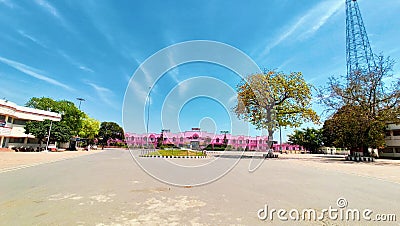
x=392 y=141
x=334 y=150
x=12 y=122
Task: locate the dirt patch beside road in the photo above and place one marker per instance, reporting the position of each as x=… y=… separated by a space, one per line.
x=16 y=160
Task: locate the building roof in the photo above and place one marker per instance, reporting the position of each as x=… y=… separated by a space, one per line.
x=21 y=112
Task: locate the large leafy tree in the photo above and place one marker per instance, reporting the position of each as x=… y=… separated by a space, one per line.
x=70 y=124
x=90 y=128
x=351 y=127
x=274 y=99
x=362 y=105
x=71 y=115
x=59 y=131
x=309 y=138
x=110 y=130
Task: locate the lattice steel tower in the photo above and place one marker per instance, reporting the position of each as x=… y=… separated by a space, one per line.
x=359 y=56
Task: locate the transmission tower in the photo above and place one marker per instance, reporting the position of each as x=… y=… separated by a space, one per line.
x=359 y=56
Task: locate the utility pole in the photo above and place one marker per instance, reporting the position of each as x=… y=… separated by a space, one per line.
x=48 y=137
x=80 y=101
x=148 y=118
x=280 y=139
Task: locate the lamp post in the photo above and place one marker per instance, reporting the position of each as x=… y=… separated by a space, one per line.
x=280 y=138
x=80 y=101
x=48 y=137
x=148 y=118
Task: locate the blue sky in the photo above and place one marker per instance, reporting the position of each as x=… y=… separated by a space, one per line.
x=90 y=49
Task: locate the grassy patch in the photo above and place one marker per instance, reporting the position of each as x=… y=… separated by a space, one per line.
x=176 y=152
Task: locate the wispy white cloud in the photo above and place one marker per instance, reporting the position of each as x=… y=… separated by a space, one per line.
x=100 y=23
x=139 y=91
x=283 y=36
x=33 y=39
x=103 y=93
x=49 y=8
x=232 y=99
x=147 y=74
x=307 y=24
x=54 y=12
x=11 y=39
x=84 y=68
x=286 y=62
x=183 y=87
x=7 y=3
x=75 y=62
x=329 y=10
x=174 y=72
x=33 y=72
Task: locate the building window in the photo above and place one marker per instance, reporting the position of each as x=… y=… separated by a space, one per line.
x=16 y=140
x=388 y=133
x=260 y=141
x=9 y=119
x=19 y=122
x=233 y=141
x=181 y=139
x=396 y=132
x=33 y=141
x=397 y=150
x=247 y=141
x=173 y=139
x=240 y=141
x=2 y=117
x=387 y=150
x=217 y=140
x=145 y=138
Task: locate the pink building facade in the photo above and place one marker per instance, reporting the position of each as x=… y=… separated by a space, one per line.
x=201 y=139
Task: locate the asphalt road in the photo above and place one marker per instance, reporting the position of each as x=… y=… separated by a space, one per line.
x=109 y=188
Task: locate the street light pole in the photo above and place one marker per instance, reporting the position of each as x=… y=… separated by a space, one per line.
x=80 y=101
x=280 y=139
x=148 y=119
x=48 y=136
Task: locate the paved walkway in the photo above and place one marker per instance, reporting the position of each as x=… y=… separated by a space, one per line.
x=384 y=169
x=109 y=188
x=17 y=160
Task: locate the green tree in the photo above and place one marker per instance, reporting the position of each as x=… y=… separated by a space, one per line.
x=362 y=106
x=59 y=131
x=43 y=103
x=71 y=123
x=90 y=128
x=309 y=138
x=352 y=128
x=71 y=116
x=110 y=130
x=274 y=99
